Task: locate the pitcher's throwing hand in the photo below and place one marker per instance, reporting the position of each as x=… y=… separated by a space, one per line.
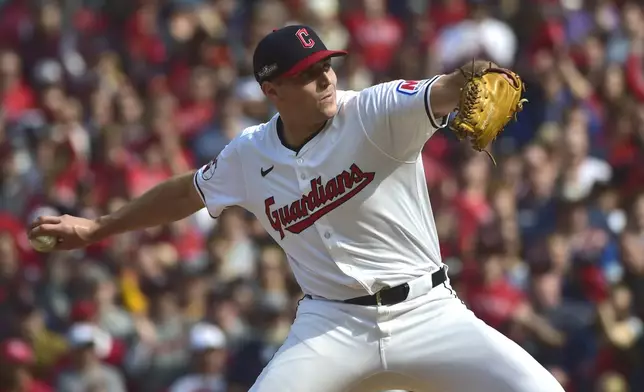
x=72 y=232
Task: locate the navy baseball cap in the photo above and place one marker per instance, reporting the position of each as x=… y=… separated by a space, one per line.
x=288 y=51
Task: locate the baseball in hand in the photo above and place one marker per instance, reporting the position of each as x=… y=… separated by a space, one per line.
x=45 y=243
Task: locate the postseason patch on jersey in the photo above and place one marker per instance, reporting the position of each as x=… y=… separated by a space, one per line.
x=410 y=87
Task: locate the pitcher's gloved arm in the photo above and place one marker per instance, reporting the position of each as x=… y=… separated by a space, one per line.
x=446 y=92
x=488 y=99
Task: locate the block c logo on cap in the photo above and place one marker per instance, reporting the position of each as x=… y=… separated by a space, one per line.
x=304 y=38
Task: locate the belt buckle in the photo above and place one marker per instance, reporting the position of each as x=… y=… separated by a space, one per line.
x=378 y=299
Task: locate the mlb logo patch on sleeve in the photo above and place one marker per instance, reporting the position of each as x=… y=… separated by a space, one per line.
x=410 y=87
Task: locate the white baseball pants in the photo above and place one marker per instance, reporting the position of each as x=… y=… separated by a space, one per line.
x=432 y=343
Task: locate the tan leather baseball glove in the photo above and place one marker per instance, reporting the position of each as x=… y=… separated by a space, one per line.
x=489 y=100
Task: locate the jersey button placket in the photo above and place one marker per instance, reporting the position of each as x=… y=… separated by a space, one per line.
x=332 y=243
x=301 y=174
x=326 y=234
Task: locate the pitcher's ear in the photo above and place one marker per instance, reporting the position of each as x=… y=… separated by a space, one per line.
x=270 y=90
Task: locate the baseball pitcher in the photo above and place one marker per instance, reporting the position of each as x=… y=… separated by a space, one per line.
x=336 y=178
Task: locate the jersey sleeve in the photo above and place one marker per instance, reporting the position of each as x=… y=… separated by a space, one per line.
x=398 y=118
x=220 y=182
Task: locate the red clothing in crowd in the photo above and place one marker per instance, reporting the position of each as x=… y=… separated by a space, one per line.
x=495 y=303
x=17 y=99
x=443 y=14
x=550 y=35
x=377 y=39
x=594 y=283
x=12 y=18
x=142 y=178
x=33 y=386
x=88 y=21
x=15 y=227
x=189 y=244
x=17 y=352
x=433 y=155
x=473 y=211
x=611 y=360
x=193 y=116
x=635 y=75
x=143 y=38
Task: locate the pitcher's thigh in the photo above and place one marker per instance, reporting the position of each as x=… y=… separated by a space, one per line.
x=457 y=352
x=326 y=351
x=298 y=369
x=488 y=361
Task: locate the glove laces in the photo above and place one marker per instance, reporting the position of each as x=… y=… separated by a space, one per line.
x=472 y=95
x=473 y=92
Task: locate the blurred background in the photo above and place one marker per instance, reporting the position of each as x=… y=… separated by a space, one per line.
x=102 y=99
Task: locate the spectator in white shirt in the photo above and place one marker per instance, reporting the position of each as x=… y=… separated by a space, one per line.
x=208 y=347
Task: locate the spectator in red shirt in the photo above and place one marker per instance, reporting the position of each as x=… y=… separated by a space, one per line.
x=14 y=14
x=376 y=34
x=15 y=358
x=144 y=42
x=199 y=108
x=445 y=13
x=15 y=96
x=634 y=18
x=471 y=202
x=492 y=297
x=144 y=175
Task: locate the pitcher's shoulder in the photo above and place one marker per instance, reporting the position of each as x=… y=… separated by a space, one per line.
x=344 y=96
x=253 y=135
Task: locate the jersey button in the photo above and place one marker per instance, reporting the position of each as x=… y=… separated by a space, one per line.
x=300 y=161
x=327 y=235
x=303 y=176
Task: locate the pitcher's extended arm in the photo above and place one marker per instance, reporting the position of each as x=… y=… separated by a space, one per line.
x=169 y=201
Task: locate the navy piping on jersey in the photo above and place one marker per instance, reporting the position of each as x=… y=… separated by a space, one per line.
x=279 y=126
x=203 y=196
x=426 y=99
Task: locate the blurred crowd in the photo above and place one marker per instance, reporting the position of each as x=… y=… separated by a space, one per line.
x=102 y=99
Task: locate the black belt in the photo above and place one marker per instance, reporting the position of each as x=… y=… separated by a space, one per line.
x=393 y=295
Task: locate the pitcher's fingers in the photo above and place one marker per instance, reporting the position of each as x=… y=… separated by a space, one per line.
x=46 y=229
x=43 y=220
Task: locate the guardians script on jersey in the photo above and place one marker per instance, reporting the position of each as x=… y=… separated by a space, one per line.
x=322 y=199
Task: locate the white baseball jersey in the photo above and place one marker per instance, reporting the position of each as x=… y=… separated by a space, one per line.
x=351 y=208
